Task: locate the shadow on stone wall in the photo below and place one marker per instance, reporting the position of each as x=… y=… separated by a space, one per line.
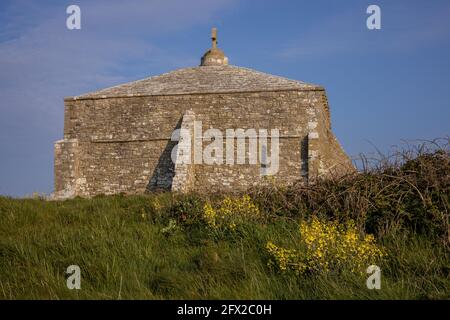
x=162 y=177
x=304 y=157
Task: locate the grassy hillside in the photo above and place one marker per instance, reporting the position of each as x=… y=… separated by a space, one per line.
x=165 y=246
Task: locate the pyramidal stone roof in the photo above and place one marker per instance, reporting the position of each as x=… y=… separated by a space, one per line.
x=214 y=75
x=203 y=79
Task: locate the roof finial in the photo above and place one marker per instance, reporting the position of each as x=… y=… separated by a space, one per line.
x=214 y=37
x=214 y=56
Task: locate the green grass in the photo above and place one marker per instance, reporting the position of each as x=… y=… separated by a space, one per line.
x=123 y=253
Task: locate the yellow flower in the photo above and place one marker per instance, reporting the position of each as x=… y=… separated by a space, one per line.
x=328 y=246
x=230 y=212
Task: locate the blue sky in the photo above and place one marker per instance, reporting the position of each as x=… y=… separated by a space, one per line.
x=383 y=86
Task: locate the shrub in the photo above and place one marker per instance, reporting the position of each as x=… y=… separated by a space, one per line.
x=170 y=228
x=285 y=259
x=405 y=192
x=327 y=247
x=187 y=209
x=230 y=213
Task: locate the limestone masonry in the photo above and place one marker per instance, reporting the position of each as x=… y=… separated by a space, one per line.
x=118 y=140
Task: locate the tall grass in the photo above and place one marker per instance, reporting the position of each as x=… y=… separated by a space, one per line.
x=156 y=246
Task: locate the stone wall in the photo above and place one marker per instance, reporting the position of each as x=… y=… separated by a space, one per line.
x=66 y=168
x=184 y=178
x=124 y=144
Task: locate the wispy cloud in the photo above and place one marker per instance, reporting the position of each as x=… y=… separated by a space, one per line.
x=46 y=61
x=41 y=62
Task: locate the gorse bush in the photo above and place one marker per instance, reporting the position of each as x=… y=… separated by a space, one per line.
x=230 y=213
x=285 y=259
x=333 y=246
x=327 y=246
